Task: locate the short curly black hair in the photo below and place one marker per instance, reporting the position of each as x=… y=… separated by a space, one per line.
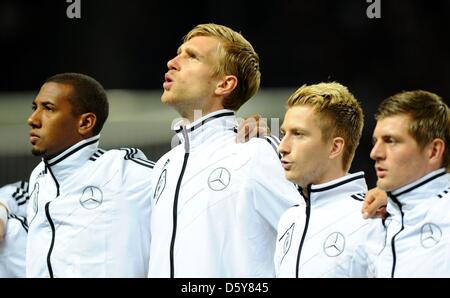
x=87 y=95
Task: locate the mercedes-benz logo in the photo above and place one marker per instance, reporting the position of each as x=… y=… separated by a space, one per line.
x=430 y=235
x=334 y=245
x=160 y=186
x=219 y=179
x=91 y=198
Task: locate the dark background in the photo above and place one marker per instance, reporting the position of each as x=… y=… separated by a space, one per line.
x=125 y=45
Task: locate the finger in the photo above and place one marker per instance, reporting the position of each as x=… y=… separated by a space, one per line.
x=245 y=127
x=250 y=128
x=253 y=132
x=377 y=208
x=240 y=136
x=381 y=212
x=369 y=207
x=245 y=133
x=263 y=128
x=2 y=228
x=375 y=199
x=262 y=131
x=366 y=204
x=369 y=211
x=256 y=117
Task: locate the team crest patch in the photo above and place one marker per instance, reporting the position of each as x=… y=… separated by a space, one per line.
x=160 y=186
x=334 y=245
x=91 y=198
x=219 y=179
x=287 y=240
x=34 y=201
x=35 y=196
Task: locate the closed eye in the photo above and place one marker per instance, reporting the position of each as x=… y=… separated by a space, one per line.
x=191 y=54
x=48 y=106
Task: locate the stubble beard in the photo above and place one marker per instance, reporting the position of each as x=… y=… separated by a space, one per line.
x=38 y=152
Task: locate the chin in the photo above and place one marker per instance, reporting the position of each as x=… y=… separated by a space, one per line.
x=291 y=177
x=38 y=152
x=385 y=186
x=287 y=175
x=167 y=97
x=163 y=99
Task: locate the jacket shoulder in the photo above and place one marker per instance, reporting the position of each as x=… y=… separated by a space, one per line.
x=38 y=170
x=265 y=145
x=132 y=156
x=292 y=213
x=290 y=218
x=444 y=194
x=174 y=154
x=440 y=205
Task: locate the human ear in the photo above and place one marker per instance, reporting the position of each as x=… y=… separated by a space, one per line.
x=86 y=124
x=226 y=85
x=337 y=147
x=435 y=151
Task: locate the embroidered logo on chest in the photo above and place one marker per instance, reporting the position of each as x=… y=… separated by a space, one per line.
x=219 y=179
x=35 y=196
x=430 y=235
x=287 y=240
x=91 y=198
x=334 y=245
x=160 y=186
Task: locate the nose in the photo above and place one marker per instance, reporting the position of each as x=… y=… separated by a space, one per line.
x=377 y=152
x=173 y=64
x=34 y=119
x=283 y=148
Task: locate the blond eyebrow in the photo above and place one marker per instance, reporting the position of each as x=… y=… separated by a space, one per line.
x=190 y=51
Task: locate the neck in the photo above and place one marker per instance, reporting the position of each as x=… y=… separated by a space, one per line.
x=330 y=174
x=49 y=156
x=195 y=114
x=196 y=111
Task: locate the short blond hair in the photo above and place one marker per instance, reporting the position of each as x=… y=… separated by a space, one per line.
x=429 y=117
x=237 y=57
x=339 y=114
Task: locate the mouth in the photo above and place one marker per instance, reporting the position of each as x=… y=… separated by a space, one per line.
x=286 y=165
x=33 y=138
x=381 y=172
x=167 y=82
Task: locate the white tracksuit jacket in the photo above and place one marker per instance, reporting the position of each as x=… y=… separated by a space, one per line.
x=217 y=203
x=12 y=248
x=89 y=213
x=319 y=239
x=414 y=240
